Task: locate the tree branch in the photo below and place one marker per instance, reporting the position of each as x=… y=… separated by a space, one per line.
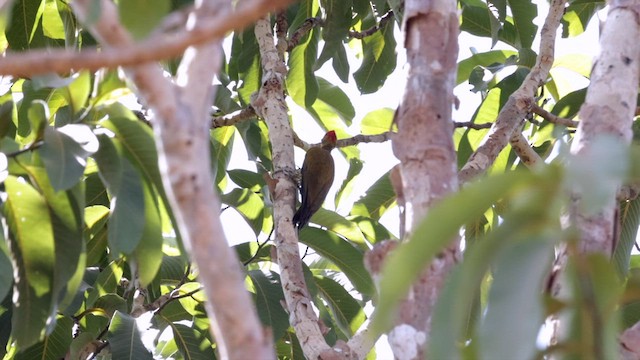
x=303 y=30
x=520 y=102
x=182 y=137
x=247 y=113
x=35 y=62
x=552 y=118
x=271 y=106
x=372 y=30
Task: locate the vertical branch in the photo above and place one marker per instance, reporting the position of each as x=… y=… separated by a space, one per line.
x=182 y=137
x=519 y=103
x=271 y=106
x=608 y=110
x=424 y=145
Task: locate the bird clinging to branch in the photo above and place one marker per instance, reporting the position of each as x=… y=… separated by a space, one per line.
x=317 y=178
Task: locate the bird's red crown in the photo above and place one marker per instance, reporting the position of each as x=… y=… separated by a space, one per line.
x=330 y=137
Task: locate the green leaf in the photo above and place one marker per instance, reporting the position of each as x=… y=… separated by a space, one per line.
x=347 y=312
x=524 y=12
x=378 y=199
x=65 y=158
x=493 y=61
x=570 y=104
x=6 y=269
x=250 y=206
x=302 y=84
x=337 y=223
x=24 y=31
x=54 y=346
x=355 y=166
x=192 y=343
x=141 y=26
x=33 y=250
x=344 y=255
x=377 y=121
x=335 y=28
x=629 y=212
x=52 y=24
x=480 y=21
x=246 y=179
x=577 y=16
x=78 y=91
x=147 y=255
x=124 y=339
x=524 y=262
x=269 y=299
x=127 y=221
x=459 y=208
x=379 y=59
x=332 y=104
x=221 y=148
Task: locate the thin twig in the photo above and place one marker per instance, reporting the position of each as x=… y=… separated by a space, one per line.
x=233 y=118
x=303 y=30
x=472 y=125
x=35 y=62
x=552 y=118
x=372 y=30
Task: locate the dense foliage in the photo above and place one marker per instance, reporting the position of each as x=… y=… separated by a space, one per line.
x=89 y=244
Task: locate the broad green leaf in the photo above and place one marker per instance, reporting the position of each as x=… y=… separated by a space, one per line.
x=127 y=221
x=347 y=312
x=523 y=14
x=335 y=28
x=570 y=104
x=377 y=122
x=595 y=289
x=355 y=166
x=124 y=339
x=379 y=59
x=246 y=179
x=221 y=147
x=577 y=16
x=6 y=269
x=378 y=199
x=138 y=145
x=147 y=255
x=141 y=26
x=459 y=208
x=524 y=262
x=372 y=230
x=629 y=213
x=54 y=346
x=172 y=269
x=250 y=206
x=250 y=251
x=107 y=282
x=51 y=21
x=302 y=84
x=344 y=255
x=256 y=140
x=269 y=299
x=63 y=157
x=493 y=61
x=192 y=343
x=579 y=63
x=335 y=222
x=24 y=31
x=479 y=21
x=33 y=250
x=332 y=103
x=78 y=91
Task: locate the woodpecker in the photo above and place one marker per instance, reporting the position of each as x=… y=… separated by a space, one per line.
x=317 y=178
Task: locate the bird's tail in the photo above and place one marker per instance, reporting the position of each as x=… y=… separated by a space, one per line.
x=301 y=218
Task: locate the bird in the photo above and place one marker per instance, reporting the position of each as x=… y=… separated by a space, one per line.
x=317 y=178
